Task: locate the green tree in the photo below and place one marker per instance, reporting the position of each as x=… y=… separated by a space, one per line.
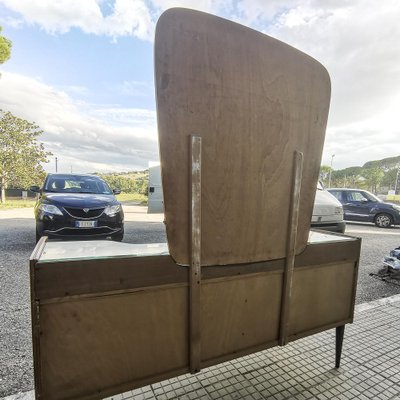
x=21 y=154
x=116 y=181
x=390 y=177
x=143 y=185
x=128 y=182
x=373 y=177
x=5 y=48
x=324 y=172
x=348 y=177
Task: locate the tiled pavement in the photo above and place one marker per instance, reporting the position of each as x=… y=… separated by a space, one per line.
x=370 y=367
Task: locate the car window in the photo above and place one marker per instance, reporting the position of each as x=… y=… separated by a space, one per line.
x=77 y=184
x=356 y=196
x=338 y=194
x=372 y=197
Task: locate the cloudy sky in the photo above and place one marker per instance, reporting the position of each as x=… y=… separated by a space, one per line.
x=83 y=70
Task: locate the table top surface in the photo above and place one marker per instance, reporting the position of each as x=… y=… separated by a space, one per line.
x=99 y=249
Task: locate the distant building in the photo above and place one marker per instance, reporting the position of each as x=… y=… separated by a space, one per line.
x=155 y=199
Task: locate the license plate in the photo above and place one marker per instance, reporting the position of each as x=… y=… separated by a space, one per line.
x=85 y=224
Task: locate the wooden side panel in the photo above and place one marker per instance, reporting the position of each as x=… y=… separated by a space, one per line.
x=68 y=278
x=254 y=101
x=90 y=345
x=321 y=296
x=239 y=313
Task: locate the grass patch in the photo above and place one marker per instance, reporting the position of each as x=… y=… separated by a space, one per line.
x=132 y=197
x=17 y=203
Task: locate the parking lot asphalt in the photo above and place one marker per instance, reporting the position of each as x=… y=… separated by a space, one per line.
x=17 y=241
x=376 y=243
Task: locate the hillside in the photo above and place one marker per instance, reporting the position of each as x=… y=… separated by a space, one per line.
x=128 y=182
x=385 y=163
x=379 y=176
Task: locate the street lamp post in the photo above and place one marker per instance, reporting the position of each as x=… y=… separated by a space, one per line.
x=397 y=179
x=330 y=172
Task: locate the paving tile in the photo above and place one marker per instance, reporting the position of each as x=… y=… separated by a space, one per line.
x=302 y=370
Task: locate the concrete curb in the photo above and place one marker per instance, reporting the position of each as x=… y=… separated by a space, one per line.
x=377 y=303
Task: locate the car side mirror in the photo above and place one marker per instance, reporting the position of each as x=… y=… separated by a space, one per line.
x=35 y=189
x=116 y=191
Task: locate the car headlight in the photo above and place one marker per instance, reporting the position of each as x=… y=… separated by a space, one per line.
x=396 y=207
x=112 y=210
x=338 y=210
x=50 y=208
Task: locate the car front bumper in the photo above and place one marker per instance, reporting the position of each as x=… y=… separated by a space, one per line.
x=64 y=226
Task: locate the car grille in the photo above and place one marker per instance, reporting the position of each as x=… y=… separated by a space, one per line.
x=84 y=232
x=80 y=213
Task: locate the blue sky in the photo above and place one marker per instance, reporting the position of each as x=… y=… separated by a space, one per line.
x=83 y=70
x=109 y=71
x=103 y=67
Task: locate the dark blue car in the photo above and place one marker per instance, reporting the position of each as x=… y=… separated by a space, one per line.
x=361 y=205
x=77 y=206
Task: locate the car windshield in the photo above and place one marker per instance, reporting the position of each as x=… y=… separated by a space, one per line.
x=76 y=184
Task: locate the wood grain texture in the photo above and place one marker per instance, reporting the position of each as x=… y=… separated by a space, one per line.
x=239 y=313
x=321 y=296
x=88 y=346
x=254 y=100
x=92 y=342
x=195 y=265
x=291 y=246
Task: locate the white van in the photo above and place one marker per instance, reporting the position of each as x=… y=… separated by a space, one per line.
x=327 y=212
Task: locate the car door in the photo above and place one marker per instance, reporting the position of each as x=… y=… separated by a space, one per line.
x=357 y=206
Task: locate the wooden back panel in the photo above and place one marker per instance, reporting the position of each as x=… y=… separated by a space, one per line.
x=109 y=325
x=254 y=100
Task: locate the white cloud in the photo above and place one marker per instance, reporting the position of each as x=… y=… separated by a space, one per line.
x=90 y=139
x=357 y=41
x=141 y=119
x=128 y=17
x=250 y=12
x=211 y=6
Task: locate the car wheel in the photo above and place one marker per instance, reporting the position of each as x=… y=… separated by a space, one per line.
x=383 y=220
x=118 y=237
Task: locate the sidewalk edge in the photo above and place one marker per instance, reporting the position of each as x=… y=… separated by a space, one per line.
x=377 y=303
